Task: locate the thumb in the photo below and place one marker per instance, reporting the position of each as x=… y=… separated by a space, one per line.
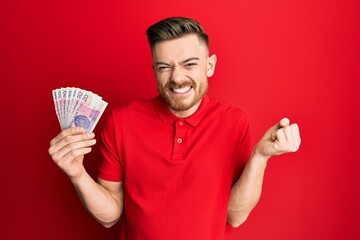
x=272 y=131
x=284 y=122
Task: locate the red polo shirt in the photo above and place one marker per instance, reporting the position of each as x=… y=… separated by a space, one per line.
x=177 y=173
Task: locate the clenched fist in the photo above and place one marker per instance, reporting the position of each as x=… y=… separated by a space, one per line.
x=279 y=139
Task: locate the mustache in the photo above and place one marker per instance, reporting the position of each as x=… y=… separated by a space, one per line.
x=171 y=84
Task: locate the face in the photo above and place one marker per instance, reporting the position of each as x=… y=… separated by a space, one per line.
x=182 y=67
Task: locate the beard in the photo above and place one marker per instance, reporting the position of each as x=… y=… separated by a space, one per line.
x=177 y=103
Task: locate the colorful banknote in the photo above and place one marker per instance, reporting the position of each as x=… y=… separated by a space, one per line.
x=78 y=107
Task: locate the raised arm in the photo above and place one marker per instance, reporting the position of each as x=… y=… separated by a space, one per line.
x=279 y=139
x=104 y=200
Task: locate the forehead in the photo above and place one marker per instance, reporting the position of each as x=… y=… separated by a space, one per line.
x=180 y=49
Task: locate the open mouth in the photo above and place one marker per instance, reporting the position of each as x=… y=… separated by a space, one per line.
x=182 y=90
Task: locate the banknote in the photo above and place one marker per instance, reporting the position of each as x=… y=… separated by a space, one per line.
x=78 y=107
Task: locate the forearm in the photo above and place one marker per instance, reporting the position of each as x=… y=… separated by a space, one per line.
x=279 y=139
x=104 y=206
x=246 y=191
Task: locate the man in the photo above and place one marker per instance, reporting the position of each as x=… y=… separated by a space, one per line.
x=178 y=166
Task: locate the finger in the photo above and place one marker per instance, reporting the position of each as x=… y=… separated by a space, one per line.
x=69 y=139
x=296 y=134
x=68 y=158
x=273 y=136
x=65 y=133
x=292 y=141
x=288 y=133
x=284 y=122
x=75 y=146
x=295 y=129
x=280 y=139
x=272 y=131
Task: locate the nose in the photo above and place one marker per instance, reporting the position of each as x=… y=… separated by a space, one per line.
x=177 y=75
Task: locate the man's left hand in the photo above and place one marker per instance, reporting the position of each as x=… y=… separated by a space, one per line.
x=279 y=139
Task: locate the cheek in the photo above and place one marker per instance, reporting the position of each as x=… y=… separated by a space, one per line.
x=200 y=77
x=198 y=74
x=162 y=78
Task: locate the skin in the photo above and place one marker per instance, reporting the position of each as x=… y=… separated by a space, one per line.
x=182 y=68
x=182 y=63
x=280 y=139
x=103 y=199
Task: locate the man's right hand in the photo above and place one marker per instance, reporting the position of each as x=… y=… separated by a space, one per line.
x=68 y=148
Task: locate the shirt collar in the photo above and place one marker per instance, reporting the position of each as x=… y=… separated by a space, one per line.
x=168 y=117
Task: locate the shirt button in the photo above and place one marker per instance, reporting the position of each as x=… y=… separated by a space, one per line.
x=179 y=140
x=181 y=123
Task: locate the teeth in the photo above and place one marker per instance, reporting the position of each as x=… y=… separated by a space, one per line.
x=181 y=90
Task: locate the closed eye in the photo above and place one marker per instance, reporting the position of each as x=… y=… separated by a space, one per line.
x=163 y=68
x=191 y=64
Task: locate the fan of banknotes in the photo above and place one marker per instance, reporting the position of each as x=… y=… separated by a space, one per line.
x=78 y=107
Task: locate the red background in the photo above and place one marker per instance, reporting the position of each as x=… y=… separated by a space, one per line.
x=275 y=58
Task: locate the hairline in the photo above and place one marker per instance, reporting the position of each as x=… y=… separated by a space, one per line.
x=201 y=41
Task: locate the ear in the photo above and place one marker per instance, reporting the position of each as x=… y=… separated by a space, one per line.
x=211 y=65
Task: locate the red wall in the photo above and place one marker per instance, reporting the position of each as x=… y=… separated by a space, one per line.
x=275 y=58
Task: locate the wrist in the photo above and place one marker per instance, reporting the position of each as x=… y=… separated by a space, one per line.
x=257 y=154
x=79 y=177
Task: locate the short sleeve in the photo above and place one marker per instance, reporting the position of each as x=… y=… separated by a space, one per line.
x=244 y=148
x=110 y=167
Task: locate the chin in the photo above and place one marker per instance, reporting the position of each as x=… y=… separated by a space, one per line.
x=181 y=106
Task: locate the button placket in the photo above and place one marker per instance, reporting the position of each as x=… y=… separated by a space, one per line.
x=178 y=139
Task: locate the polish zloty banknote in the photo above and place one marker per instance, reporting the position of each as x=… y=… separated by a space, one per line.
x=78 y=107
x=55 y=98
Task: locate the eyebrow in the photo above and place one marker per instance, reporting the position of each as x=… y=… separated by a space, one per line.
x=185 y=61
x=190 y=59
